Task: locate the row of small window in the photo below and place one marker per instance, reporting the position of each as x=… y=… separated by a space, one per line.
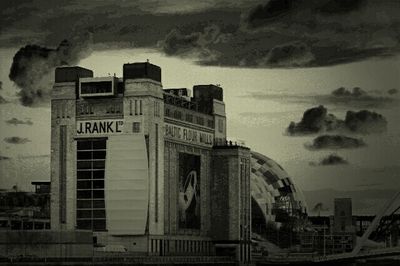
x=91 y=154
x=98 y=164
x=189 y=118
x=135 y=106
x=86 y=109
x=89 y=184
x=90 y=204
x=90 y=194
x=62 y=110
x=90 y=224
x=91 y=174
x=85 y=214
x=24 y=225
x=91 y=144
x=181 y=245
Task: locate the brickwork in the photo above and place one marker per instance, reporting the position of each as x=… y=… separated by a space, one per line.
x=230 y=199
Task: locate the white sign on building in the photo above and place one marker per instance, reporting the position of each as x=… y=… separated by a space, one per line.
x=99 y=127
x=190 y=135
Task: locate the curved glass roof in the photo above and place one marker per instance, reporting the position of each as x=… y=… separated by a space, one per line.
x=273 y=190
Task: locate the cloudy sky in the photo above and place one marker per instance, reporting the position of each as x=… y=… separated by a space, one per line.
x=275 y=60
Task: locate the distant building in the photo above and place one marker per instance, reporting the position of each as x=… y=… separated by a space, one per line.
x=331 y=235
x=24 y=210
x=325 y=244
x=41 y=187
x=343 y=216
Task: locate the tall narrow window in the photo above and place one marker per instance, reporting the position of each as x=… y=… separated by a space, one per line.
x=57 y=108
x=136 y=107
x=90 y=205
x=130 y=107
x=63 y=174
x=156 y=109
x=63 y=110
x=220 y=125
x=140 y=107
x=156 y=174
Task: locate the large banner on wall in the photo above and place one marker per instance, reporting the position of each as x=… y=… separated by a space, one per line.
x=189 y=191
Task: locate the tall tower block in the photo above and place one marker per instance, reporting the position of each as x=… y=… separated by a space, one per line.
x=144 y=108
x=63 y=148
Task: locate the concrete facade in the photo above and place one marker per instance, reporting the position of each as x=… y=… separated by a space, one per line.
x=136 y=164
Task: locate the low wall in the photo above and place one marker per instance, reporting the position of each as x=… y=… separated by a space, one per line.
x=46 y=244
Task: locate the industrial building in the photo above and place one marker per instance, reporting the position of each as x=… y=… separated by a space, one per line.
x=151 y=168
x=332 y=235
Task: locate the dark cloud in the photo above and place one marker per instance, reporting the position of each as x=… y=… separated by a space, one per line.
x=273 y=9
x=317 y=120
x=194 y=44
x=332 y=7
x=33 y=67
x=335 y=142
x=314 y=120
x=365 y=122
x=355 y=98
x=343 y=92
x=393 y=91
x=16 y=140
x=294 y=54
x=333 y=159
x=116 y=24
x=335 y=31
x=14 y=121
x=4 y=158
x=275 y=33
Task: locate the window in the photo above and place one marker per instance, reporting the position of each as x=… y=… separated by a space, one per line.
x=90 y=206
x=136 y=107
x=136 y=127
x=63 y=174
x=189 y=118
x=157 y=109
x=156 y=173
x=220 y=125
x=200 y=120
x=177 y=114
x=96 y=87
